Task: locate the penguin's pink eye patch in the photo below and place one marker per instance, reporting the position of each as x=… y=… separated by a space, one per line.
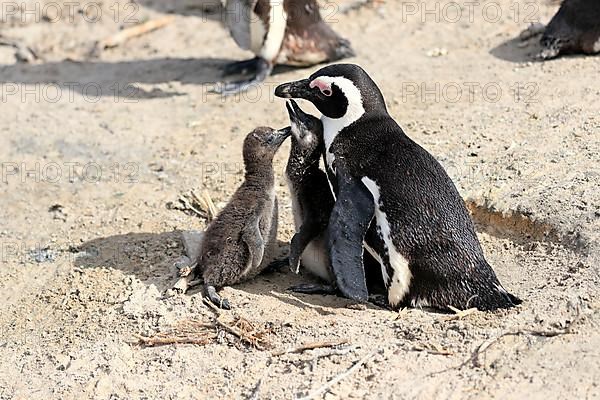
x=324 y=87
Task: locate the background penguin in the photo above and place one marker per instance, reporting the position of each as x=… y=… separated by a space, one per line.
x=289 y=32
x=575 y=28
x=425 y=239
x=240 y=242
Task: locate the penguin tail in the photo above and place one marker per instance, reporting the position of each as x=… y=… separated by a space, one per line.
x=498 y=298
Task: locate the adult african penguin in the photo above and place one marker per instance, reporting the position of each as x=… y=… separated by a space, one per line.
x=424 y=237
x=240 y=242
x=289 y=32
x=575 y=28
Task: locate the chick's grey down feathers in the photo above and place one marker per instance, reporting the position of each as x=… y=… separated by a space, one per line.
x=240 y=242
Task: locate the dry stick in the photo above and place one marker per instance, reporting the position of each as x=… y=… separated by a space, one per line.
x=161 y=341
x=137 y=30
x=186 y=279
x=339 y=377
x=189 y=206
x=206 y=203
x=484 y=346
x=459 y=314
x=309 y=346
x=234 y=331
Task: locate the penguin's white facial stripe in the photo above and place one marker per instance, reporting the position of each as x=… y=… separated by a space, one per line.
x=400 y=281
x=355 y=110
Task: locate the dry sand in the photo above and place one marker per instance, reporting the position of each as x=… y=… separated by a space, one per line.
x=94 y=151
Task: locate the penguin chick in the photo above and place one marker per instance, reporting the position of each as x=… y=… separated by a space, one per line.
x=312 y=203
x=239 y=243
x=312 y=200
x=289 y=32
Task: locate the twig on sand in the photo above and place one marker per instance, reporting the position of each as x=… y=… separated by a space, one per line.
x=340 y=377
x=206 y=204
x=309 y=346
x=131 y=32
x=460 y=314
x=185 y=332
x=485 y=345
x=162 y=341
x=434 y=349
x=242 y=329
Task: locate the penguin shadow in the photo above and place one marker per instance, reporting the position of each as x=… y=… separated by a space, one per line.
x=147 y=256
x=120 y=80
x=150 y=257
x=276 y=284
x=517 y=51
x=208 y=10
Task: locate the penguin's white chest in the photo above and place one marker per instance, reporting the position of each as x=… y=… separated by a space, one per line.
x=330 y=132
x=266 y=39
x=401 y=277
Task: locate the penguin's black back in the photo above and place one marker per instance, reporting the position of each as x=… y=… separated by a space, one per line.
x=429 y=222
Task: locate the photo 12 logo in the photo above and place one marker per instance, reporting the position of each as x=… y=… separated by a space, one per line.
x=469 y=11
x=24 y=12
x=55 y=172
x=470 y=92
x=89 y=92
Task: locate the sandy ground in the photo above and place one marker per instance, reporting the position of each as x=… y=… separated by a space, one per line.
x=96 y=150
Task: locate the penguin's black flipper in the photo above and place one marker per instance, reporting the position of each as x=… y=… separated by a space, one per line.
x=348 y=224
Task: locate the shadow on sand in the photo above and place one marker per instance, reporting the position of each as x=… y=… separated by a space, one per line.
x=94 y=79
x=514 y=51
x=150 y=258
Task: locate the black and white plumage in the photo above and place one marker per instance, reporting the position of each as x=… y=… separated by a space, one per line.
x=424 y=238
x=240 y=242
x=574 y=29
x=312 y=200
x=289 y=32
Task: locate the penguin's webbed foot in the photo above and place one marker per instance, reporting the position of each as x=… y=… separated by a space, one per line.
x=263 y=70
x=244 y=67
x=277 y=266
x=314 y=288
x=211 y=293
x=379 y=300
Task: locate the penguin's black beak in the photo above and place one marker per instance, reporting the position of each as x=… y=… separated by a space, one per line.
x=278 y=136
x=298 y=90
